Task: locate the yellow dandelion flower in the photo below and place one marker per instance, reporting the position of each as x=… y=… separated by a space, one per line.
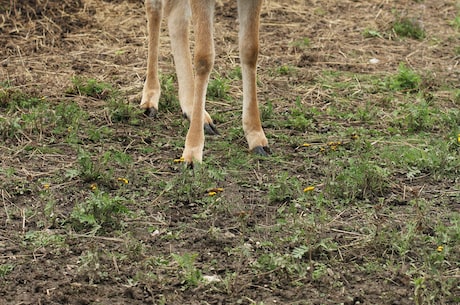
x=93 y=186
x=334 y=144
x=354 y=137
x=306 y=145
x=458 y=138
x=210 y=194
x=308 y=189
x=46 y=186
x=180 y=160
x=215 y=189
x=124 y=180
x=440 y=248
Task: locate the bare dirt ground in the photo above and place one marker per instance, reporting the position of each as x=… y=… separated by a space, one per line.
x=43 y=44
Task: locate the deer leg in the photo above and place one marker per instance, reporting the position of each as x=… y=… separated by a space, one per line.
x=203 y=13
x=178 y=24
x=249 y=15
x=151 y=91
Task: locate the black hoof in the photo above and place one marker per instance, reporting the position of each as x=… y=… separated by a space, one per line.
x=210 y=129
x=262 y=151
x=188 y=165
x=150 y=112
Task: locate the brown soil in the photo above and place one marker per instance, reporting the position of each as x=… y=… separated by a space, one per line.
x=45 y=43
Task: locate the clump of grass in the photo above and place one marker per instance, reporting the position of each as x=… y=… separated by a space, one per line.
x=456 y=22
x=39 y=239
x=370 y=33
x=121 y=111
x=302 y=43
x=191 y=275
x=91 y=266
x=100 y=210
x=285 y=188
x=408 y=27
x=88 y=169
x=189 y=187
x=11 y=99
x=406 y=80
x=90 y=87
x=418 y=117
x=359 y=179
x=5 y=269
x=300 y=119
x=218 y=89
x=456 y=96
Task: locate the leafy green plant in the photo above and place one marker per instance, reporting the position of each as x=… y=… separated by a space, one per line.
x=67 y=119
x=100 y=211
x=10 y=127
x=91 y=267
x=191 y=275
x=456 y=22
x=319 y=271
x=406 y=80
x=420 y=117
x=285 y=70
x=235 y=73
x=13 y=99
x=299 y=118
x=189 y=187
x=121 y=111
x=431 y=156
x=218 y=88
x=6 y=269
x=357 y=179
x=169 y=100
x=284 y=189
x=408 y=27
x=90 y=87
x=39 y=239
x=302 y=43
x=90 y=170
x=370 y=33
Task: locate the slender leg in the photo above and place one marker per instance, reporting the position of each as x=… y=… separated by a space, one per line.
x=151 y=92
x=249 y=15
x=203 y=14
x=178 y=24
x=179 y=15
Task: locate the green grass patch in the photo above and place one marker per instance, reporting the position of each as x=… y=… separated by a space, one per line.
x=90 y=87
x=408 y=28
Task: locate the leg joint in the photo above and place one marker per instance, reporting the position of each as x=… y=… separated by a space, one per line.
x=249 y=55
x=204 y=63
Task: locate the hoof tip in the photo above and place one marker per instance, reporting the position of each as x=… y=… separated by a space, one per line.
x=210 y=129
x=264 y=151
x=150 y=112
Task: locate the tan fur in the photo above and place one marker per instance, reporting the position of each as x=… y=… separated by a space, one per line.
x=193 y=83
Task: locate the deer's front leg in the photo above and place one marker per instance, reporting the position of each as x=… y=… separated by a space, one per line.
x=203 y=11
x=151 y=91
x=249 y=14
